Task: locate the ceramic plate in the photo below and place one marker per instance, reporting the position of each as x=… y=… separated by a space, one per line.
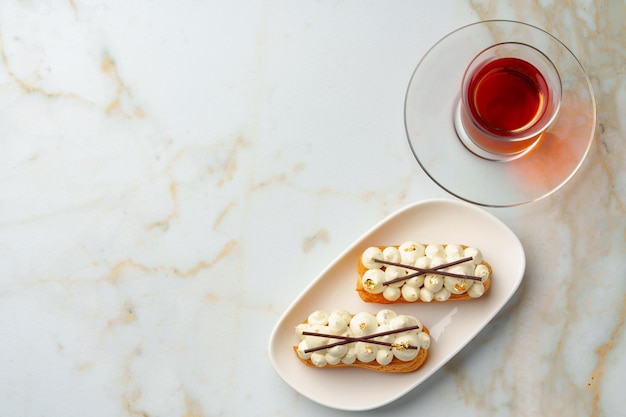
x=452 y=324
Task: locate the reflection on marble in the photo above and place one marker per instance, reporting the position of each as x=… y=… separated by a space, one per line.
x=173 y=174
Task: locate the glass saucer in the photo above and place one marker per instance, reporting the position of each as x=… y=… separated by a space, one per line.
x=429 y=112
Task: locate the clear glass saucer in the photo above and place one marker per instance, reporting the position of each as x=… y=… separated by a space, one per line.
x=429 y=111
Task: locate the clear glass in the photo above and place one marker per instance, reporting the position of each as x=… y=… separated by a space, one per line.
x=516 y=73
x=432 y=104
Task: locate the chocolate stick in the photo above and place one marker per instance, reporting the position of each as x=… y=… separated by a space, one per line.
x=435 y=270
x=347 y=339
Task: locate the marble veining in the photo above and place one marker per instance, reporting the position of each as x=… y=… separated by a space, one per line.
x=173 y=175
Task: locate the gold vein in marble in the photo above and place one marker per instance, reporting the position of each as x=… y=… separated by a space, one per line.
x=164 y=224
x=203 y=265
x=194 y=407
x=310 y=242
x=123 y=96
x=122 y=266
x=229 y=165
x=122 y=99
x=173 y=190
x=223 y=214
x=74 y=8
x=603 y=351
x=30 y=89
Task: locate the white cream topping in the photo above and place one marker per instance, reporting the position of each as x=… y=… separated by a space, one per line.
x=332 y=360
x=315 y=341
x=438 y=260
x=403 y=320
x=391 y=254
x=365 y=352
x=433 y=283
x=300 y=328
x=338 y=321
x=425 y=287
x=337 y=351
x=372 y=280
x=384 y=356
x=417 y=281
x=442 y=295
x=388 y=338
x=392 y=293
x=426 y=295
x=462 y=269
x=302 y=347
x=361 y=325
x=482 y=271
x=350 y=356
x=410 y=251
x=435 y=250
x=405 y=354
x=410 y=292
x=424 y=340
x=477 y=256
x=318 y=317
x=318 y=359
x=384 y=316
x=422 y=262
x=477 y=290
x=393 y=272
x=369 y=255
x=454 y=251
x=339 y=314
x=338 y=325
x=458 y=285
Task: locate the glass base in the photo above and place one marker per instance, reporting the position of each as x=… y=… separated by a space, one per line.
x=469 y=172
x=477 y=149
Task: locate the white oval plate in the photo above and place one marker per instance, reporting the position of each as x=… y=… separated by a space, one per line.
x=452 y=324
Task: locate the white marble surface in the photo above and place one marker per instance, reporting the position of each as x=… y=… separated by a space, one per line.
x=173 y=174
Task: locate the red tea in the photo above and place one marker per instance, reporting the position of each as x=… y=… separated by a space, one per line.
x=507 y=103
x=507 y=96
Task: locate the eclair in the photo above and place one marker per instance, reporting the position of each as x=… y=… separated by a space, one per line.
x=383 y=342
x=415 y=272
